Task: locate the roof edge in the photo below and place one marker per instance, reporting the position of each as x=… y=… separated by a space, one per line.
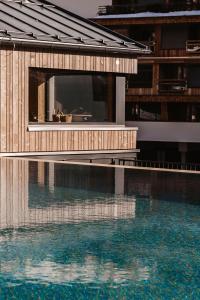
x=70 y=46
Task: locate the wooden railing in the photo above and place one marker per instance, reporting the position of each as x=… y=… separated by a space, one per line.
x=193 y=46
x=176 y=86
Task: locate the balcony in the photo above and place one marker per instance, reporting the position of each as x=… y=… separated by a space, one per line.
x=193 y=46
x=152 y=7
x=172 y=86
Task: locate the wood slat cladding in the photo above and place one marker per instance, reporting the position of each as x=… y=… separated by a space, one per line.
x=62 y=60
x=173 y=53
x=14 y=95
x=149 y=92
x=158 y=98
x=140 y=92
x=147 y=20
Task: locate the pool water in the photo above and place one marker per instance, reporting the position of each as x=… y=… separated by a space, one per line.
x=76 y=232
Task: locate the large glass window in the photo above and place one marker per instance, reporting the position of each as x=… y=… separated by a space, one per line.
x=173 y=78
x=60 y=96
x=174 y=36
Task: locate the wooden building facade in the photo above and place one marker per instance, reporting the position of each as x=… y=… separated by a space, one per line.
x=43 y=50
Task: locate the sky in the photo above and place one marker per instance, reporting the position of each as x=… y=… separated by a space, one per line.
x=86 y=8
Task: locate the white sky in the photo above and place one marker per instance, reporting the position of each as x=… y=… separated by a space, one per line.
x=86 y=8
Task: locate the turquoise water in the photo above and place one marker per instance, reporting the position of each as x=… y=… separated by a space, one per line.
x=70 y=232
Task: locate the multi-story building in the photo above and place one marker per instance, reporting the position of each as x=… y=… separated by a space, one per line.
x=163 y=100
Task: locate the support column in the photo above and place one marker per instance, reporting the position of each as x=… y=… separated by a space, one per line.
x=51 y=96
x=183 y=149
x=156 y=79
x=51 y=177
x=120 y=100
x=41 y=98
x=164 y=112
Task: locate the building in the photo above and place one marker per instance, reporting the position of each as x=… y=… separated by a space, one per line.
x=163 y=99
x=62 y=83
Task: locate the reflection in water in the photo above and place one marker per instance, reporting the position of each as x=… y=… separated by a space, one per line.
x=38 y=193
x=76 y=232
x=88 y=271
x=167 y=186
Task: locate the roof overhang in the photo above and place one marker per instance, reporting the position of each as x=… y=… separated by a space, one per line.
x=71 y=46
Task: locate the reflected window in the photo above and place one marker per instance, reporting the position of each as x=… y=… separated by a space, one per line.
x=71 y=97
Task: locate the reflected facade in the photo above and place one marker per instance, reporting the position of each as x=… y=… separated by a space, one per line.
x=34 y=193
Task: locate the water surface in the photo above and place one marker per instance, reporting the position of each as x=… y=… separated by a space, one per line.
x=77 y=232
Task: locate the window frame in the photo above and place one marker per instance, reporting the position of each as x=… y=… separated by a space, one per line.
x=54 y=126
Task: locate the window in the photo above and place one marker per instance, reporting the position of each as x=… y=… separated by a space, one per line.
x=194 y=76
x=60 y=96
x=178 y=112
x=142 y=33
x=162 y=111
x=194 y=32
x=173 y=71
x=143 y=111
x=143 y=79
x=174 y=36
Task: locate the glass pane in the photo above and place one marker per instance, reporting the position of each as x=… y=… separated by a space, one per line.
x=57 y=96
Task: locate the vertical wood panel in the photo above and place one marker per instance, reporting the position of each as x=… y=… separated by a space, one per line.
x=15 y=102
x=14 y=108
x=3 y=100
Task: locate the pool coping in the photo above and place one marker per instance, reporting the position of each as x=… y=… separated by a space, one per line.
x=103 y=165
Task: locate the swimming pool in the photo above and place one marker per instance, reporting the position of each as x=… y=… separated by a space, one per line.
x=78 y=232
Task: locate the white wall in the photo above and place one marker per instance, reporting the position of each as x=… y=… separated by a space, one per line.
x=167 y=131
x=85 y=8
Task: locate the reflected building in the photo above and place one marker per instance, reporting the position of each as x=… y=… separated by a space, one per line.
x=34 y=193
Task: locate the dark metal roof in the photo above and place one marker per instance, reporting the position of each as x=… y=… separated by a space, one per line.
x=38 y=22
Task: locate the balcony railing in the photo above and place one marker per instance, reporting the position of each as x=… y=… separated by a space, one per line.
x=176 y=86
x=158 y=7
x=150 y=44
x=193 y=46
x=160 y=165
